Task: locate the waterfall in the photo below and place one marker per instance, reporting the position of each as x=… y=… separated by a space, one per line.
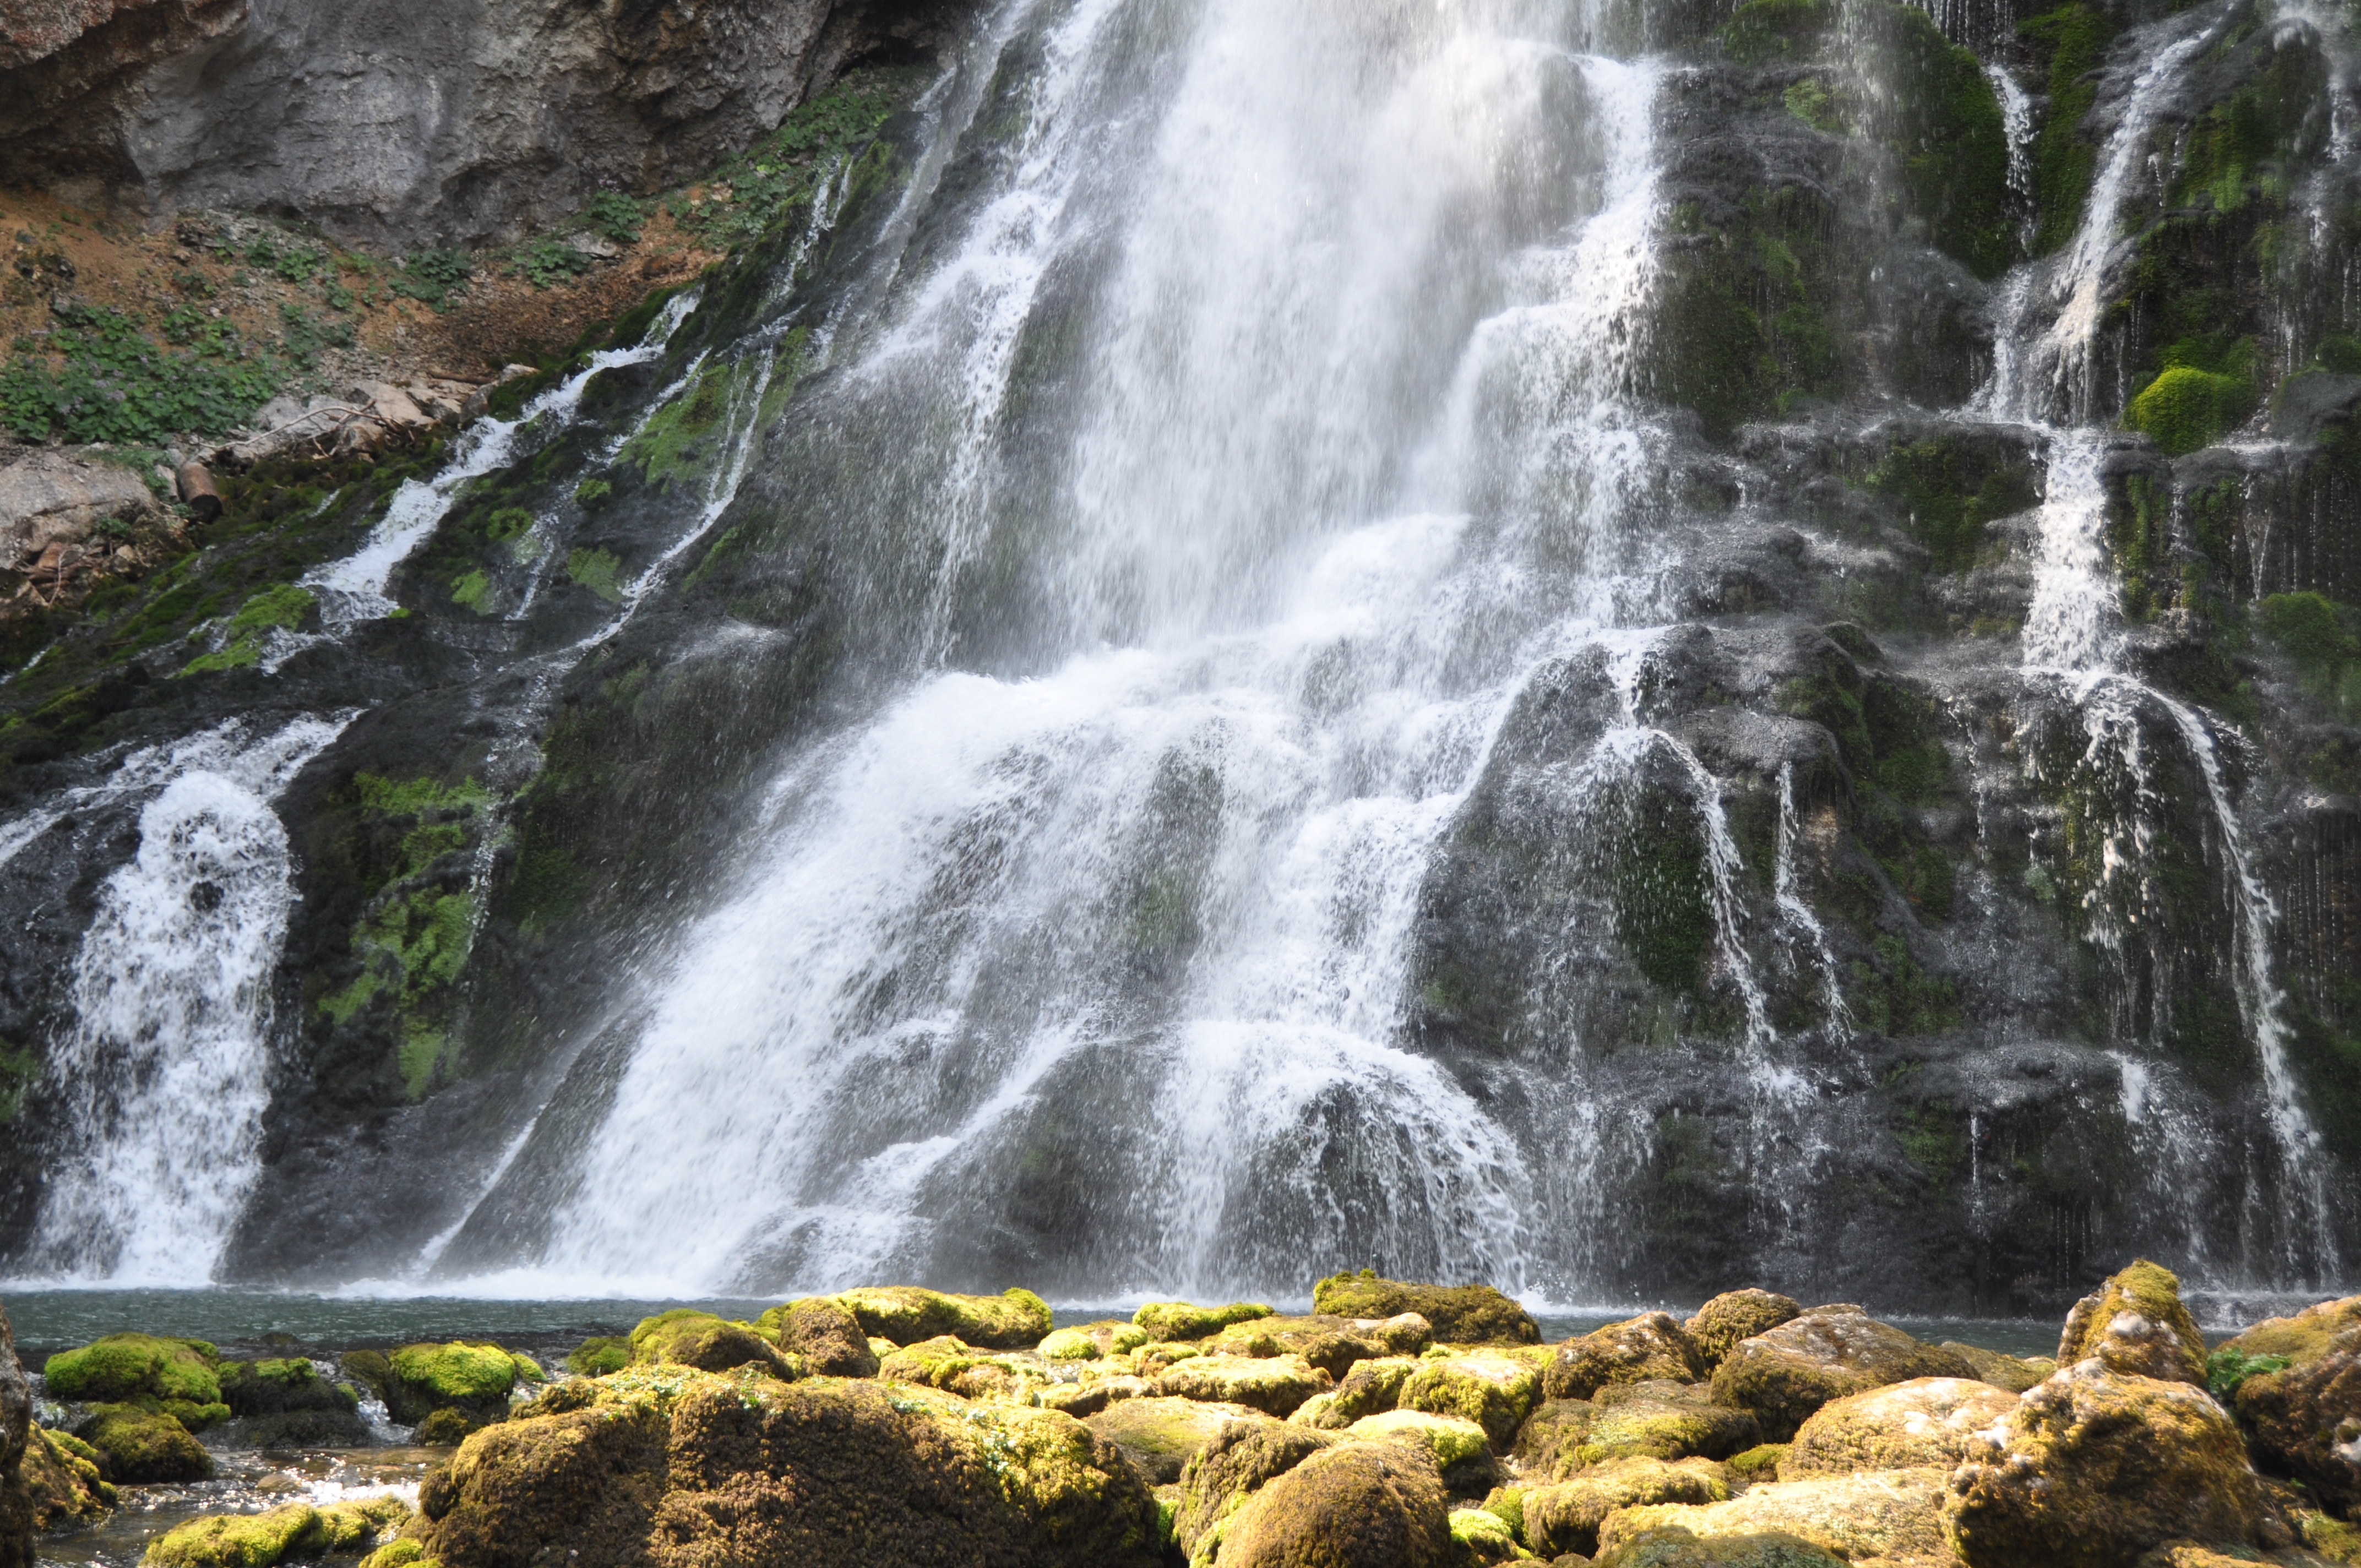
x=1797 y=913
x=165 y=1073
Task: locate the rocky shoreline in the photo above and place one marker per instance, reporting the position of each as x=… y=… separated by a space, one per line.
x=1395 y=1424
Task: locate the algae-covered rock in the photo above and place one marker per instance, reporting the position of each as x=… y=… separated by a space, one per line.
x=1496 y=1392
x=1735 y=1315
x=1759 y=1463
x=2094 y=1467
x=143 y=1445
x=1222 y=1474
x=1378 y=1504
x=1370 y=1387
x=1928 y=1420
x=2002 y=1370
x=2331 y=1537
x=1160 y=1435
x=1665 y=1421
x=1782 y=1375
x=275 y=1388
x=1015 y=1319
x=1483 y=1539
x=1651 y=1346
x=935 y=1363
x=60 y=1479
x=2299 y=1391
x=686 y=1337
x=825 y=1333
x=1673 y=1546
x=1187 y=1321
x=126 y=1367
x=1462 y=1450
x=1332 y=1343
x=1090 y=1397
x=2136 y=1323
x=1274 y=1385
x=257 y=1541
x=1458 y=1314
x=1091 y=1341
x=1564 y=1516
x=602 y=1354
x=1886 y=1516
x=474 y=1379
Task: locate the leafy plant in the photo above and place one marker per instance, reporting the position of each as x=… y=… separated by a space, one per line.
x=543 y=262
x=2226 y=1369
x=102 y=378
x=615 y=215
x=435 y=278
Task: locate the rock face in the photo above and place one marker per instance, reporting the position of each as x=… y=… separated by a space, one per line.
x=2306 y=1414
x=49 y=500
x=16 y=1505
x=414 y=123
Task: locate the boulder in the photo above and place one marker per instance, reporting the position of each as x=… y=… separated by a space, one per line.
x=1651 y=1346
x=1783 y=1373
x=1091 y=1341
x=1458 y=1314
x=1370 y=1387
x=1461 y=1449
x=128 y=1366
x=1496 y=1392
x=1160 y=1435
x=286 y=1403
x=824 y=1332
x=1482 y=1538
x=472 y=1381
x=1549 y=1445
x=2135 y=1324
x=686 y=1337
x=1735 y=1315
x=1378 y=1504
x=1565 y=1515
x=1665 y=1421
x=143 y=1445
x=57 y=496
x=2094 y=1467
x=2014 y=1372
x=1186 y=1321
x=1673 y=1546
x=602 y=1354
x=1016 y=1319
x=1928 y=1420
x=259 y=1541
x=1087 y=1398
x=1275 y=1385
x=60 y=1479
x=957 y=1368
x=1892 y=1517
x=1219 y=1478
x=2296 y=1382
x=1332 y=1343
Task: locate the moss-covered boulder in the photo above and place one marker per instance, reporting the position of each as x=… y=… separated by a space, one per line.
x=127 y=1367
x=1330 y=1342
x=1160 y=1435
x=1653 y=1345
x=1370 y=1387
x=144 y=1445
x=294 y=1532
x=1757 y=1464
x=1735 y=1315
x=2136 y=1323
x=672 y=1464
x=1015 y=1319
x=1665 y=1421
x=1496 y=1392
x=473 y=1379
x=2296 y=1382
x=1275 y=1385
x=935 y=1363
x=61 y=1480
x=1482 y=1538
x=1222 y=1474
x=686 y=1337
x=1549 y=1445
x=1565 y=1515
x=1376 y=1505
x=2002 y=1370
x=1089 y=1395
x=1892 y=1516
x=602 y=1354
x=1091 y=1341
x=1458 y=1314
x=2094 y=1467
x=1462 y=1450
x=1674 y=1546
x=275 y=1388
x=1928 y=1420
x=1187 y=1321
x=1783 y=1373
x=824 y=1332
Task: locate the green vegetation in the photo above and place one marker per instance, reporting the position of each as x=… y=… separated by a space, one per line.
x=598 y=570
x=743 y=199
x=1663 y=893
x=19 y=1070
x=590 y=492
x=2227 y=1368
x=435 y=278
x=616 y=216
x=2072 y=37
x=282 y=607
x=124 y=1366
x=2320 y=635
x=100 y=378
x=547 y=261
x=2205 y=391
x=1948 y=490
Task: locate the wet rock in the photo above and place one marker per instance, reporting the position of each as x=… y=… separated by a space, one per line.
x=1496 y=1392
x=61 y=1477
x=1928 y=1420
x=1735 y=1315
x=260 y=1540
x=1459 y=1314
x=143 y=1445
x=472 y=1381
x=2014 y=1372
x=1186 y=1321
x=2136 y=1323
x=1784 y=1373
x=1564 y=1516
x=1886 y=1516
x=1274 y=1385
x=1159 y=1434
x=57 y=497
x=1379 y=1505
x=686 y=1337
x=905 y=1314
x=825 y=1333
x=17 y=1503
x=287 y=1404
x=1651 y=1346
x=1371 y=1387
x=2295 y=1383
x=2095 y=1467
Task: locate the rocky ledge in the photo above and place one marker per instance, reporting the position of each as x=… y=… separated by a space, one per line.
x=1395 y=1426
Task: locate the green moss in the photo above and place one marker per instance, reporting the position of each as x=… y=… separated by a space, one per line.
x=1948 y=492
x=598 y=570
x=1763 y=31
x=1459 y=1314
x=19 y=1071
x=249 y=630
x=474 y=589
x=1663 y=890
x=2072 y=37
x=123 y=1366
x=2185 y=408
x=2320 y=635
x=1186 y=1321
x=2227 y=1368
x=433 y=1375
x=599 y=1356
x=590 y=492
x=145 y=1445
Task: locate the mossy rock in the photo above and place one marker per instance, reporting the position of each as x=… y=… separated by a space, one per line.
x=1784 y=1373
x=1549 y=1445
x=399 y=1553
x=1462 y=1450
x=1458 y=1314
x=446 y=1428
x=1734 y=1315
x=1015 y=1319
x=143 y=1445
x=124 y=1366
x=1187 y=1321
x=1354 y=1505
x=1275 y=1385
x=257 y=1541
x=1882 y=1515
x=1370 y=1387
x=2186 y=407
x=2002 y=1370
x=2136 y=1323
x=1759 y=1463
x=1665 y=1421
x=686 y=1337
x=1159 y=1434
x=1651 y=1346
x=1564 y=1516
x=2095 y=1467
x=1674 y=1546
x=371 y=1370
x=474 y=1379
x=1093 y=1341
x=2303 y=1414
x=825 y=1333
x=1223 y=1473
x=1088 y=1398
x=1496 y=1392
x=1482 y=1539
x=603 y=1354
x=935 y=1363
x=1926 y=1420
x=2331 y=1538
x=1333 y=1343
x=62 y=1480
x=277 y=1387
